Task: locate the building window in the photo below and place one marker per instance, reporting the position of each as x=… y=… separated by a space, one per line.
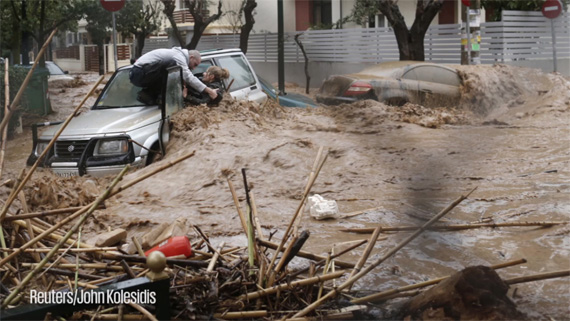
x=376 y=21
x=322 y=12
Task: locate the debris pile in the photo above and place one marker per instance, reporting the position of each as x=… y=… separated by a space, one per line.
x=225 y=282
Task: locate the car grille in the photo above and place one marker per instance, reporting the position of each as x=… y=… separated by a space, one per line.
x=70 y=149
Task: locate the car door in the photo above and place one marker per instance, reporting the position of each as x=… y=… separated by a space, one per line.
x=172 y=102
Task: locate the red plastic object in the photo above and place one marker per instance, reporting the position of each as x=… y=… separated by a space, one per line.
x=173 y=246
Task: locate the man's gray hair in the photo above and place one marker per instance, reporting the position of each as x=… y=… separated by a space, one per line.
x=194 y=53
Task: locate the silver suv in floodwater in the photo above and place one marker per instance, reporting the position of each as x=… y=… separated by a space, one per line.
x=120 y=130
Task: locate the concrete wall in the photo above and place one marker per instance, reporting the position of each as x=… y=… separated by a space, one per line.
x=319 y=71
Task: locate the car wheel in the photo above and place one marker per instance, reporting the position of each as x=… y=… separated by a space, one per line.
x=154 y=155
x=398 y=101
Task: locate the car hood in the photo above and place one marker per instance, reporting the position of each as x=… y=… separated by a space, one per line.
x=296 y=100
x=107 y=121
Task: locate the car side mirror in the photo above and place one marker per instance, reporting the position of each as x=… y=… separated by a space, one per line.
x=66 y=72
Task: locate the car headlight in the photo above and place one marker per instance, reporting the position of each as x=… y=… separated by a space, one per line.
x=40 y=147
x=111 y=147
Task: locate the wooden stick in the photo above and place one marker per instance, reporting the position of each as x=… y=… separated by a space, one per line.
x=311 y=175
x=286 y=286
x=87 y=207
x=68 y=210
x=384 y=295
x=286 y=254
x=46 y=150
x=144 y=311
x=20 y=92
x=256 y=218
x=299 y=208
x=308 y=255
x=350 y=248
x=360 y=274
x=238 y=207
x=538 y=277
x=105 y=266
x=296 y=244
x=6 y=110
x=241 y=315
x=351 y=214
x=454 y=227
x=138 y=246
x=79 y=283
x=80 y=250
x=215 y=257
x=53 y=236
x=74 y=229
x=365 y=254
x=115 y=316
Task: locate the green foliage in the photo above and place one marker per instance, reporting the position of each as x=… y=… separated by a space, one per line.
x=17 y=76
x=362 y=10
x=41 y=17
x=99 y=22
x=138 y=17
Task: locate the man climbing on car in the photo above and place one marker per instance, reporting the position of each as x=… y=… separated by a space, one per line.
x=149 y=70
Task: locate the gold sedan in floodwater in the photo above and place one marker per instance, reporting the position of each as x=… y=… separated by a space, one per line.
x=395 y=83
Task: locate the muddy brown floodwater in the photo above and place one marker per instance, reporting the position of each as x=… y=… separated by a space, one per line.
x=509 y=138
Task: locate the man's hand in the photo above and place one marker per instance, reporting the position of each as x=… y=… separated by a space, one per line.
x=212 y=93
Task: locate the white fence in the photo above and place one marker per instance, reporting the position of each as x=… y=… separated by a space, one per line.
x=521 y=38
x=343 y=45
x=524 y=35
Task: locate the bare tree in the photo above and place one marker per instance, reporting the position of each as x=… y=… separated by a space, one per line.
x=248 y=7
x=196 y=8
x=410 y=41
x=169 y=6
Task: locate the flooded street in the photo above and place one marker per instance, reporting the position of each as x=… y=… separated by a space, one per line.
x=510 y=139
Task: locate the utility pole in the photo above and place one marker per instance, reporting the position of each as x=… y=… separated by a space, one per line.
x=280 y=48
x=476 y=33
x=471 y=32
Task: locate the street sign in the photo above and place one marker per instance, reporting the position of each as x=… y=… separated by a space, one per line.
x=467 y=3
x=112 y=5
x=551 y=9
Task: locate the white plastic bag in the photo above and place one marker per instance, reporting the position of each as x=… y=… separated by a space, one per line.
x=320 y=208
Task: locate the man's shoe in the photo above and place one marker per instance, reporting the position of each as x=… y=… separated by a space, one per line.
x=146 y=98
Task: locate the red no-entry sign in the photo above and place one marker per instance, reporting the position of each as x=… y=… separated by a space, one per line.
x=551 y=9
x=467 y=3
x=112 y=5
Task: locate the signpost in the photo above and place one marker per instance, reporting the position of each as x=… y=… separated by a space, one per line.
x=551 y=9
x=113 y=5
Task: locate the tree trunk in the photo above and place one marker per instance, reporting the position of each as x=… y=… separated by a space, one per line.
x=411 y=41
x=140 y=37
x=246 y=28
x=195 y=7
x=168 y=11
x=25 y=37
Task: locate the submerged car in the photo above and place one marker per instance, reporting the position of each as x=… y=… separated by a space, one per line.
x=395 y=83
x=120 y=130
x=58 y=77
x=287 y=100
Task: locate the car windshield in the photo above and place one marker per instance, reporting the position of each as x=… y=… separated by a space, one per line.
x=120 y=92
x=239 y=71
x=54 y=69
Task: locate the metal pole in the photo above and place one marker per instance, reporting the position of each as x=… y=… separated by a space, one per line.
x=553 y=43
x=115 y=42
x=281 y=48
x=468 y=31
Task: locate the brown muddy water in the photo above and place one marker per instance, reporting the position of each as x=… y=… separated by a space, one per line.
x=509 y=138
